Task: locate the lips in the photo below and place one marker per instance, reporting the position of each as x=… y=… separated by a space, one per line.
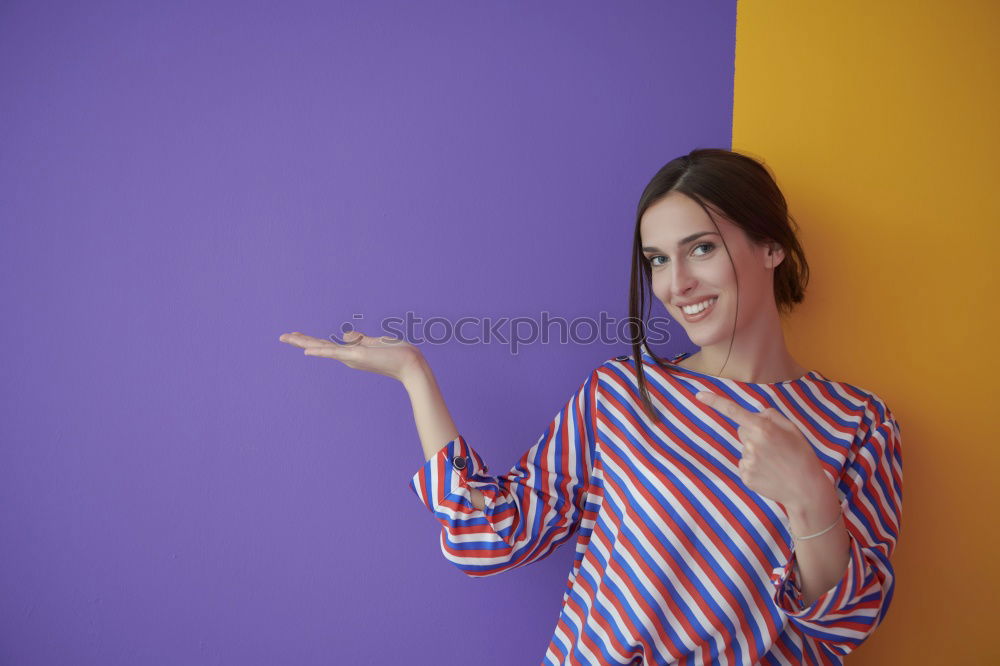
x=697 y=302
x=704 y=313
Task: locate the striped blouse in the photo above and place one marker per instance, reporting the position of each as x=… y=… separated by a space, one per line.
x=677 y=561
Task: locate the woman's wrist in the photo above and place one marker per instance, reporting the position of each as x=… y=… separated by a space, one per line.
x=814 y=509
x=416 y=372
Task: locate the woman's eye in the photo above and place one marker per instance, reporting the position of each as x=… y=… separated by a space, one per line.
x=708 y=248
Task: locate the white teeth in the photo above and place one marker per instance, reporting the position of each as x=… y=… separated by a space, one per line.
x=698 y=307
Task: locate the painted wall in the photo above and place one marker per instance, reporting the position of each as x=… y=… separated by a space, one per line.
x=180 y=183
x=880 y=120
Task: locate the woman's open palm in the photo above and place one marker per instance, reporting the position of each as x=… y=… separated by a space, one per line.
x=386 y=355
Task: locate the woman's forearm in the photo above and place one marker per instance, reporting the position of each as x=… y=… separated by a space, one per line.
x=435 y=426
x=822 y=560
x=430 y=413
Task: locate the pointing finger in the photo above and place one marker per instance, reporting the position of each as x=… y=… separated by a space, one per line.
x=727 y=407
x=775 y=416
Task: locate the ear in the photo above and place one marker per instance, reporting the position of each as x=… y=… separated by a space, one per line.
x=774 y=254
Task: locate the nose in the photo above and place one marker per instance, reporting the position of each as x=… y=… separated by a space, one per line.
x=682 y=281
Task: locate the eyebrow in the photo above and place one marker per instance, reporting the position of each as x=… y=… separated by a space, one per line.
x=685 y=240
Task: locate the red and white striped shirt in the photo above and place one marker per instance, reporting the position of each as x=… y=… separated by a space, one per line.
x=677 y=561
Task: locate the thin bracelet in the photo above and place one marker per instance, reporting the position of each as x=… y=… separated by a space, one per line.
x=813 y=536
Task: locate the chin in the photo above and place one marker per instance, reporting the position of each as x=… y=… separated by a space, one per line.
x=704 y=340
x=708 y=335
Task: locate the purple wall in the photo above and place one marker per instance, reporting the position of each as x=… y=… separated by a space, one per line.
x=180 y=185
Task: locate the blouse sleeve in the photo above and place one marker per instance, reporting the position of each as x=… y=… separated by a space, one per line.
x=871 y=485
x=530 y=510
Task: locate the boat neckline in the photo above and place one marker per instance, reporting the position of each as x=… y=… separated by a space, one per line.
x=811 y=374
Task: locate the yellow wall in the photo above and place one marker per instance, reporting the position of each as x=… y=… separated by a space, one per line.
x=880 y=121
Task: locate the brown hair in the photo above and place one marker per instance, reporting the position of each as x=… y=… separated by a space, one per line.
x=743 y=191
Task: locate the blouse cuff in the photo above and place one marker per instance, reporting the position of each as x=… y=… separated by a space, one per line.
x=446 y=471
x=788 y=595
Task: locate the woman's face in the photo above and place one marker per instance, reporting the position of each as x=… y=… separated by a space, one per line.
x=689 y=266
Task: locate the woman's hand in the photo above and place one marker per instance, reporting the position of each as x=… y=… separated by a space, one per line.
x=386 y=355
x=778 y=462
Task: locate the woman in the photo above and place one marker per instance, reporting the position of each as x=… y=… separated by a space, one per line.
x=731 y=506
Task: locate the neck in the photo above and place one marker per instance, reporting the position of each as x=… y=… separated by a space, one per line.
x=759 y=355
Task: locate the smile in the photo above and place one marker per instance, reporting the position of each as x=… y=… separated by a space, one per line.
x=698 y=311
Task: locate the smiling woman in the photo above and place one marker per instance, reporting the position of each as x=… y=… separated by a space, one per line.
x=692 y=205
x=746 y=515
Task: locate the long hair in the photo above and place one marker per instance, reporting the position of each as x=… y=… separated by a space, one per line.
x=744 y=192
